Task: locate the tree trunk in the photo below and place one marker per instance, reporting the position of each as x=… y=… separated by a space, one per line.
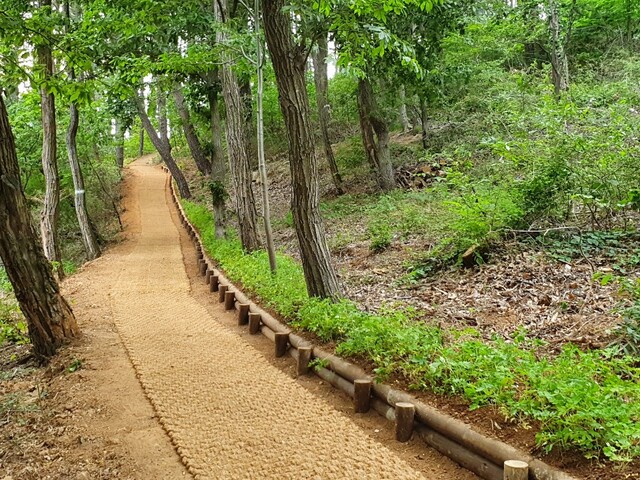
x=88 y=237
x=247 y=107
x=119 y=145
x=239 y=161
x=377 y=150
x=161 y=107
x=141 y=144
x=322 y=99
x=424 y=120
x=48 y=315
x=238 y=148
x=50 y=211
x=199 y=157
x=262 y=166
x=218 y=165
x=289 y=62
x=559 y=62
x=404 y=118
x=164 y=149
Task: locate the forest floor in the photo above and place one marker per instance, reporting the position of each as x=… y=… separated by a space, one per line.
x=151 y=336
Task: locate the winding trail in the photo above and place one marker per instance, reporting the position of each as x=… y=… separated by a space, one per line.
x=230 y=413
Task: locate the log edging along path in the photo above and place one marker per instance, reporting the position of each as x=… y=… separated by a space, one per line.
x=476 y=452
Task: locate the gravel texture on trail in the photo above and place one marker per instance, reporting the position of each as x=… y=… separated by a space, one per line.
x=229 y=412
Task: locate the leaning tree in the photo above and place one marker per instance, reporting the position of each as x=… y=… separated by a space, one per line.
x=48 y=315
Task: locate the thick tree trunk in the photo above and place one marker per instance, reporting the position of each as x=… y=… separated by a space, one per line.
x=48 y=315
x=218 y=165
x=377 y=151
x=199 y=157
x=238 y=148
x=559 y=61
x=164 y=149
x=50 y=210
x=141 y=144
x=239 y=161
x=322 y=99
x=119 y=145
x=88 y=236
x=289 y=62
x=247 y=107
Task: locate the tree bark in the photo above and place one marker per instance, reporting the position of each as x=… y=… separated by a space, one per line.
x=322 y=99
x=247 y=106
x=239 y=148
x=161 y=107
x=119 y=145
x=559 y=61
x=289 y=63
x=88 y=236
x=424 y=120
x=218 y=165
x=141 y=144
x=404 y=117
x=48 y=315
x=164 y=149
x=377 y=149
x=50 y=211
x=262 y=166
x=195 y=147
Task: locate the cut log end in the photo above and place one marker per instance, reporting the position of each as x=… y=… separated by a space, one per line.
x=229 y=300
x=362 y=395
x=243 y=314
x=405 y=413
x=281 y=343
x=254 y=323
x=222 y=291
x=516 y=470
x=304 y=357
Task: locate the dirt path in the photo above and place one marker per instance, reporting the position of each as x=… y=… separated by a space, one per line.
x=230 y=410
x=229 y=413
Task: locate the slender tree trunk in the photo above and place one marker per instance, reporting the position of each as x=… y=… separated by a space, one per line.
x=48 y=315
x=262 y=166
x=87 y=231
x=218 y=164
x=559 y=61
x=50 y=211
x=378 y=151
x=424 y=120
x=88 y=237
x=289 y=63
x=161 y=107
x=141 y=144
x=238 y=148
x=164 y=149
x=199 y=157
x=119 y=145
x=404 y=117
x=322 y=99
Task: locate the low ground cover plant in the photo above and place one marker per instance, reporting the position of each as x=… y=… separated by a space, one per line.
x=588 y=401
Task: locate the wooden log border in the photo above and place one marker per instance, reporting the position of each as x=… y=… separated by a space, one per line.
x=472 y=450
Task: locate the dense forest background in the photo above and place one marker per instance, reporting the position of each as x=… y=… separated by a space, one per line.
x=453 y=143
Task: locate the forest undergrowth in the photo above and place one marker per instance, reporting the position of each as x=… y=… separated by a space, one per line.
x=556 y=178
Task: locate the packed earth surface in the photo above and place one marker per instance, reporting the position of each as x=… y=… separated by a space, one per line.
x=162 y=385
